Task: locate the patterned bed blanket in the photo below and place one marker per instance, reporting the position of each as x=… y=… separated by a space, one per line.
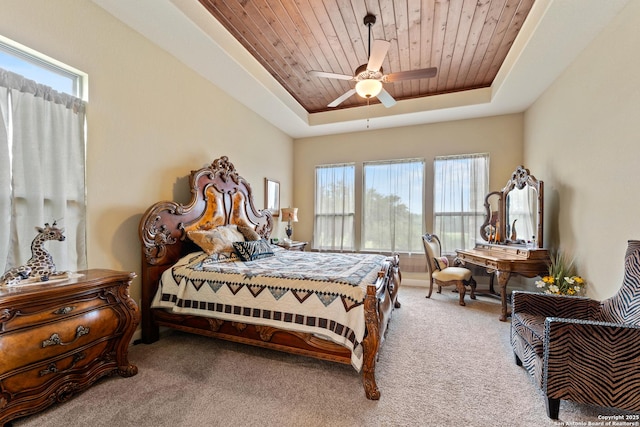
x=318 y=293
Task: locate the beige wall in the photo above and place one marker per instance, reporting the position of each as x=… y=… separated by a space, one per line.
x=582 y=138
x=150 y=121
x=500 y=136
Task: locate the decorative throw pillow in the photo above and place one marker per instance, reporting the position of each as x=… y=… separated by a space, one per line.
x=252 y=250
x=249 y=233
x=216 y=240
x=441 y=262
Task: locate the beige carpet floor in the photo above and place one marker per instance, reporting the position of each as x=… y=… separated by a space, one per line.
x=441 y=365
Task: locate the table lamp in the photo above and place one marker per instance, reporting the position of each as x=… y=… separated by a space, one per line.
x=289 y=215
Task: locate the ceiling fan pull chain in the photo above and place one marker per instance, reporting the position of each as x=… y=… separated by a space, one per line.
x=368 y=103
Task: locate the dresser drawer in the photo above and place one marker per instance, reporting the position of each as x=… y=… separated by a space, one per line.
x=30 y=345
x=53 y=312
x=31 y=379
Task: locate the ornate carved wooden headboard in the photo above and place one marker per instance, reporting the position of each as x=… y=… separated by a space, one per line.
x=219 y=196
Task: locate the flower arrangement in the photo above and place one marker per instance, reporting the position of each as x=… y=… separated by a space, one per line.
x=562 y=278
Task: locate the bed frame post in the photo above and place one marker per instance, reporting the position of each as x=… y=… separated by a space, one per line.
x=150 y=329
x=371 y=343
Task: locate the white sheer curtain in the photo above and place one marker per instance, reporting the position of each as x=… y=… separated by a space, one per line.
x=43 y=171
x=460 y=186
x=393 y=206
x=334 y=226
x=5 y=177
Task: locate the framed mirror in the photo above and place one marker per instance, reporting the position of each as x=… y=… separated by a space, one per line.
x=514 y=215
x=272 y=196
x=523 y=199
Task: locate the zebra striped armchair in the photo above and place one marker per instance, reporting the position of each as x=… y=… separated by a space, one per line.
x=579 y=349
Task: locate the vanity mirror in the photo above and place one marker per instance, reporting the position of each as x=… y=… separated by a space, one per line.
x=523 y=199
x=518 y=219
x=517 y=251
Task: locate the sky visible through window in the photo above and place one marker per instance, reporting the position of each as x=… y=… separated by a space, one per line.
x=406 y=181
x=42 y=75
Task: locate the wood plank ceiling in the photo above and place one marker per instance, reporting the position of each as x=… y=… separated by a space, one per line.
x=467 y=40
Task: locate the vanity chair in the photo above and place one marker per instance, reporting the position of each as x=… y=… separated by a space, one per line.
x=442 y=274
x=580 y=349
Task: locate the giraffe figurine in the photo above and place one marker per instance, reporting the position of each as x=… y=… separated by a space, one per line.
x=41 y=264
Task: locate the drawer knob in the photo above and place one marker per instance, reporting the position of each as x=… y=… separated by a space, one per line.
x=54 y=339
x=64 y=310
x=53 y=369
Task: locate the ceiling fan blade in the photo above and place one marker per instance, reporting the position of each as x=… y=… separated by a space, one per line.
x=386 y=99
x=330 y=75
x=342 y=98
x=423 y=73
x=377 y=54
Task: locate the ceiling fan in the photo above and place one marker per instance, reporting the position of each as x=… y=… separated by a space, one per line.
x=369 y=77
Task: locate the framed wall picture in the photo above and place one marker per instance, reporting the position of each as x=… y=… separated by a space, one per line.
x=272 y=196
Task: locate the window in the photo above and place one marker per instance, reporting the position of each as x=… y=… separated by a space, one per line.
x=46 y=72
x=460 y=185
x=334 y=226
x=392 y=218
x=42 y=156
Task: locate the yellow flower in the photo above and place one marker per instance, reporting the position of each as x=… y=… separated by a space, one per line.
x=561 y=278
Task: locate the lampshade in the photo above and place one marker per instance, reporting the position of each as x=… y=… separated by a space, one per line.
x=368 y=88
x=289 y=214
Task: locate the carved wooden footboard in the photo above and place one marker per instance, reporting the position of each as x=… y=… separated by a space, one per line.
x=220 y=197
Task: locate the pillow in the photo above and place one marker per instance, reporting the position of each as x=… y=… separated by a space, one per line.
x=441 y=263
x=231 y=232
x=216 y=240
x=252 y=250
x=220 y=257
x=249 y=233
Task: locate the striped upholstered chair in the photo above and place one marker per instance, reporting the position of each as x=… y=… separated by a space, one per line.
x=580 y=349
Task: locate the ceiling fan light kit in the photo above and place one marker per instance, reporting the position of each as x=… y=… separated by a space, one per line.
x=368 y=88
x=369 y=77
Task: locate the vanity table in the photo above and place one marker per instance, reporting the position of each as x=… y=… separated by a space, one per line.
x=505 y=261
x=520 y=204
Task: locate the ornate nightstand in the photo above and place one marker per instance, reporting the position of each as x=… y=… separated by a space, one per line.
x=293 y=245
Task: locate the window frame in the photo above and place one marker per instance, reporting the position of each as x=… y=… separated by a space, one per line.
x=79 y=78
x=345 y=213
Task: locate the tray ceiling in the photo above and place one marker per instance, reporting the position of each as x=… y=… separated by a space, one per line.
x=550 y=35
x=467 y=40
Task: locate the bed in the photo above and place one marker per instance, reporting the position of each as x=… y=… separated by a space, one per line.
x=208 y=268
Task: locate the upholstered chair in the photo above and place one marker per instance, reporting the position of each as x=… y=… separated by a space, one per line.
x=442 y=274
x=579 y=349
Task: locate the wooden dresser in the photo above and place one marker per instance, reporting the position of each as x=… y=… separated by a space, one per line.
x=58 y=338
